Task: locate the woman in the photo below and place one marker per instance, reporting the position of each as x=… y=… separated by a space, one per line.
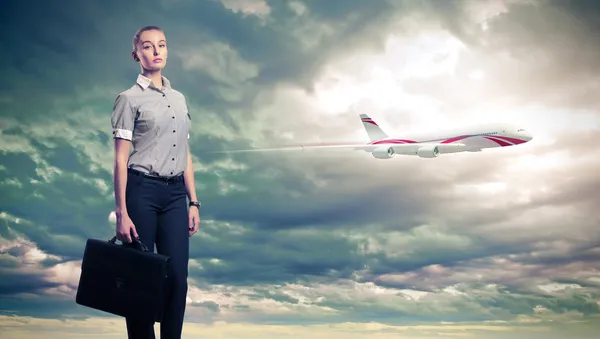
x=151 y=183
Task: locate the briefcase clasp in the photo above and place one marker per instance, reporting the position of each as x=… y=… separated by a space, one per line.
x=136 y=243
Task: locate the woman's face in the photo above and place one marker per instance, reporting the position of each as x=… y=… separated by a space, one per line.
x=152 y=50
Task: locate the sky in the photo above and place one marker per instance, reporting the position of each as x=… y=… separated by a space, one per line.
x=335 y=244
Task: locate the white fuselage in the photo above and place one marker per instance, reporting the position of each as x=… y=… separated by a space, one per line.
x=472 y=139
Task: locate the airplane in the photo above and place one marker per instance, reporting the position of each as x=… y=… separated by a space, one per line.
x=430 y=145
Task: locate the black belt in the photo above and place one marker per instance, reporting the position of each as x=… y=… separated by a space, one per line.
x=176 y=178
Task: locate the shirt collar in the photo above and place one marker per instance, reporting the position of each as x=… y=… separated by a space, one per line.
x=145 y=82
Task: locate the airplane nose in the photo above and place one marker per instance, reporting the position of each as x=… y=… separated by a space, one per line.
x=528 y=135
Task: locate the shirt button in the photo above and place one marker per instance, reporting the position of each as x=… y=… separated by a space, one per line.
x=169 y=105
x=173 y=159
x=173 y=117
x=173 y=131
x=173 y=145
x=164 y=95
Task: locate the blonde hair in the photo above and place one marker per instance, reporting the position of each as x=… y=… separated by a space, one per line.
x=136 y=37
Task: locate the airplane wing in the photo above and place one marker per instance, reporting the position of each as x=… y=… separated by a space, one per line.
x=401 y=148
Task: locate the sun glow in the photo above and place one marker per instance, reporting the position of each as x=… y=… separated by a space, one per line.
x=374 y=83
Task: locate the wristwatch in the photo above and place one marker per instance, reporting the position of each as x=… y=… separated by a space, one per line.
x=195 y=203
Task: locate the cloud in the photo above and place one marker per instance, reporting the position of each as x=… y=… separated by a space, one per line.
x=255 y=7
x=27 y=269
x=528 y=56
x=320 y=243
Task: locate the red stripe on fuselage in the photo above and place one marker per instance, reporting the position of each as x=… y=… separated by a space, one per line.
x=513 y=140
x=497 y=138
x=499 y=141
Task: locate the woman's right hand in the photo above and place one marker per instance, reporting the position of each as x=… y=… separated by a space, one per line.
x=125 y=228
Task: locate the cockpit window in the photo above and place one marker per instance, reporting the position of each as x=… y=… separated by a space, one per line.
x=521 y=130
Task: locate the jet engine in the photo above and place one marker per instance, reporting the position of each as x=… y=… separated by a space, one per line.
x=384 y=153
x=428 y=152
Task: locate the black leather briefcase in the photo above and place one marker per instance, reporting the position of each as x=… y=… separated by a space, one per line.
x=127 y=280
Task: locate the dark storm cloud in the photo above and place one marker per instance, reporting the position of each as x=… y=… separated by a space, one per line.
x=52 y=52
x=16 y=164
x=294 y=201
x=63 y=156
x=256 y=257
x=340 y=10
x=276 y=49
x=15 y=282
x=67 y=211
x=69 y=49
x=538 y=52
x=586 y=253
x=562 y=32
x=521 y=271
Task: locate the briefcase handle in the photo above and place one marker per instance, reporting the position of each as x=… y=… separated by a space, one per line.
x=135 y=243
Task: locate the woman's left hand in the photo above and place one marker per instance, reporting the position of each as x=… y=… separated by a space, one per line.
x=194 y=220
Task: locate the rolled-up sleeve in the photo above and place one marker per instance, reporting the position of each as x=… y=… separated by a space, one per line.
x=123 y=117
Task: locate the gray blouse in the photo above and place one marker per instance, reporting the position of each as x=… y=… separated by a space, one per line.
x=157 y=122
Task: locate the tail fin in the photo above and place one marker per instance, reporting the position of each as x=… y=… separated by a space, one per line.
x=373 y=130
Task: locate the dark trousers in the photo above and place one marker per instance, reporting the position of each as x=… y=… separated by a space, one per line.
x=159 y=211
